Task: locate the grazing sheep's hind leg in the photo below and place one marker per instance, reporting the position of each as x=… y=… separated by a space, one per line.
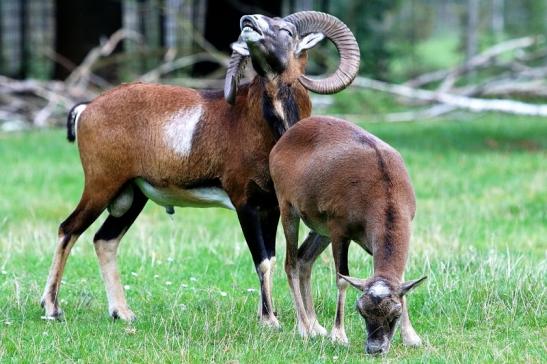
x=340 y=253
x=87 y=211
x=106 y=243
x=290 y=221
x=312 y=247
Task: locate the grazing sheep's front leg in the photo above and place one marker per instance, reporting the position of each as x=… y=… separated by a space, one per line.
x=340 y=253
x=312 y=247
x=290 y=221
x=408 y=334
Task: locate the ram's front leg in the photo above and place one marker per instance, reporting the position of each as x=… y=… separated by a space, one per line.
x=250 y=221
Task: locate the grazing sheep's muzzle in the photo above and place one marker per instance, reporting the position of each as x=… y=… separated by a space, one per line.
x=377 y=347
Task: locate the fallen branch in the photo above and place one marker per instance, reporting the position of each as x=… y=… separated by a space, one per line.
x=182 y=62
x=481 y=60
x=78 y=79
x=462 y=102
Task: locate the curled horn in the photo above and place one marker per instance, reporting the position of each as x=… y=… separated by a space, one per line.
x=316 y=22
x=233 y=74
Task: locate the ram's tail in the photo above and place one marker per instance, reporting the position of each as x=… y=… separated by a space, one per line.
x=72 y=120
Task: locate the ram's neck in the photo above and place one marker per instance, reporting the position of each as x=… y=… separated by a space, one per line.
x=280 y=104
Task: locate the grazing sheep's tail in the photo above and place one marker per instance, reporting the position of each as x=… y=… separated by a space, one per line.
x=72 y=120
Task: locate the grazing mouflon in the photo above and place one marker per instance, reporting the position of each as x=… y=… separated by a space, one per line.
x=346 y=184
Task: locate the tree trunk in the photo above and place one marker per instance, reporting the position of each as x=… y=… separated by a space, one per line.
x=498 y=19
x=11 y=38
x=471 y=31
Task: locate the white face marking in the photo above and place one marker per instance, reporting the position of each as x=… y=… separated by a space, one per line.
x=78 y=111
x=379 y=289
x=262 y=24
x=179 y=130
x=195 y=197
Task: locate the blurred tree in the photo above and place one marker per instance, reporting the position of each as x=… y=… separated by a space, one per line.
x=371 y=22
x=498 y=19
x=471 y=28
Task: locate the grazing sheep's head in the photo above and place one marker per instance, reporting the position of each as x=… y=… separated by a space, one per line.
x=381 y=307
x=276 y=45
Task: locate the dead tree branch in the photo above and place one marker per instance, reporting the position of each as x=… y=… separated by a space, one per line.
x=462 y=102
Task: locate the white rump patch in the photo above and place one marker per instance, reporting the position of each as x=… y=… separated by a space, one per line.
x=379 y=289
x=78 y=112
x=179 y=130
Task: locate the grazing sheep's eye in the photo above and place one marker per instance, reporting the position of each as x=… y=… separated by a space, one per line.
x=288 y=31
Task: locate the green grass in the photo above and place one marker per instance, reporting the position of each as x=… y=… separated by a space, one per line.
x=479 y=234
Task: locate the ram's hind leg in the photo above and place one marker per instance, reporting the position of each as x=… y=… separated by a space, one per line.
x=91 y=205
x=106 y=243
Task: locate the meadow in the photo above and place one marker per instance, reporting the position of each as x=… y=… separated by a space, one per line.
x=480 y=235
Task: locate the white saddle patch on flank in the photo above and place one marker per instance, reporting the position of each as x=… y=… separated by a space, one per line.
x=78 y=112
x=379 y=289
x=179 y=129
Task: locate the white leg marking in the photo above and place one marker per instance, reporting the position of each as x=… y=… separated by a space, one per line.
x=179 y=129
x=51 y=291
x=338 y=334
x=106 y=252
x=409 y=335
x=304 y=271
x=266 y=269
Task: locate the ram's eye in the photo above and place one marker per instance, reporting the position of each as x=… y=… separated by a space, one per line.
x=288 y=31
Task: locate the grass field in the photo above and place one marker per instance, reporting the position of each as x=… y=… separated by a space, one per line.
x=480 y=235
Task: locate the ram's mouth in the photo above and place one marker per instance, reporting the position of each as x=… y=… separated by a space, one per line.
x=248 y=26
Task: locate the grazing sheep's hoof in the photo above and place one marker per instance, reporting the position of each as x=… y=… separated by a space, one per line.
x=318 y=330
x=412 y=339
x=124 y=314
x=52 y=310
x=339 y=337
x=270 y=321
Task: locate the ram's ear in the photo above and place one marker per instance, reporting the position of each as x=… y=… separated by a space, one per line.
x=241 y=48
x=309 y=41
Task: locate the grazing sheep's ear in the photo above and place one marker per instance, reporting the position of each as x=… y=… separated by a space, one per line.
x=410 y=285
x=240 y=48
x=309 y=41
x=355 y=282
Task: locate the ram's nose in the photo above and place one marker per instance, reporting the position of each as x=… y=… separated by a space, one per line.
x=253 y=22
